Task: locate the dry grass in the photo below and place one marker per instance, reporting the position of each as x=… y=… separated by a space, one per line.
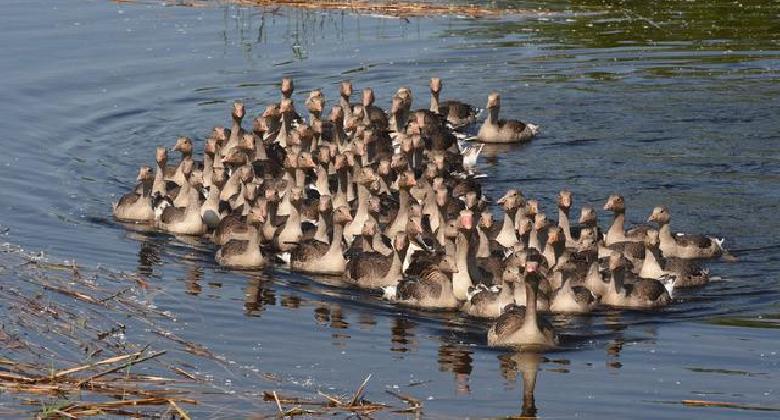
x=400 y=9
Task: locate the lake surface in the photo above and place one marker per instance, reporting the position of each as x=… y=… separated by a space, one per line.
x=674 y=104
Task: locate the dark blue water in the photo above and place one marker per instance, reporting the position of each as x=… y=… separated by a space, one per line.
x=674 y=104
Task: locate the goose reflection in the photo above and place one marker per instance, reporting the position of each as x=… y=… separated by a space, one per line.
x=291 y=301
x=148 y=256
x=331 y=315
x=402 y=335
x=527 y=364
x=458 y=359
x=258 y=295
x=614 y=322
x=192 y=277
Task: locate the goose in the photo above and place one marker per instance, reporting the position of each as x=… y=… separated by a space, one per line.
x=161 y=186
x=686 y=272
x=494 y=130
x=617 y=231
x=683 y=246
x=430 y=289
x=213 y=210
x=363 y=178
x=457 y=113
x=513 y=199
x=292 y=233
x=236 y=132
x=372 y=270
x=489 y=301
x=315 y=103
x=406 y=182
x=317 y=257
x=184 y=220
x=345 y=91
x=539 y=225
x=373 y=115
x=571 y=299
x=642 y=294
x=522 y=326
x=233 y=226
x=564 y=207
x=516 y=272
x=287 y=88
x=135 y=207
x=244 y=254
x=184 y=146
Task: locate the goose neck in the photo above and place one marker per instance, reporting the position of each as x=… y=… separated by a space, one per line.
x=563 y=222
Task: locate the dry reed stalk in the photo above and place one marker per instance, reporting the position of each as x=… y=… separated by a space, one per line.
x=399 y=9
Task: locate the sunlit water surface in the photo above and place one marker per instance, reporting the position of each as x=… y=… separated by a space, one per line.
x=674 y=104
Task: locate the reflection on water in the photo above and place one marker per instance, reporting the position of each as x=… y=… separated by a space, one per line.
x=457 y=359
x=527 y=364
x=667 y=102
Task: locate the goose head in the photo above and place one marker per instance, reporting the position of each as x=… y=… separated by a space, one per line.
x=486 y=220
x=296 y=195
x=341 y=215
x=368 y=97
x=251 y=191
x=287 y=87
x=219 y=178
x=524 y=226
x=451 y=229
x=256 y=216
x=315 y=103
x=510 y=200
x=442 y=197
x=448 y=265
x=238 y=110
x=651 y=239
x=405 y=94
x=345 y=89
x=406 y=180
x=615 y=203
x=183 y=145
x=532 y=208
x=337 y=115
x=494 y=100
x=305 y=161
x=555 y=237
x=660 y=215
x=210 y=147
x=145 y=175
x=161 y=156
x=564 y=200
x=541 y=221
x=369 y=229
x=220 y=134
x=286 y=106
x=588 y=240
x=247 y=142
x=465 y=221
x=588 y=217
x=435 y=85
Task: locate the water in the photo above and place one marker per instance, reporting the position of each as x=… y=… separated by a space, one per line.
x=673 y=104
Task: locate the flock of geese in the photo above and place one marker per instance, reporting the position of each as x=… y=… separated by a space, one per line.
x=390 y=202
